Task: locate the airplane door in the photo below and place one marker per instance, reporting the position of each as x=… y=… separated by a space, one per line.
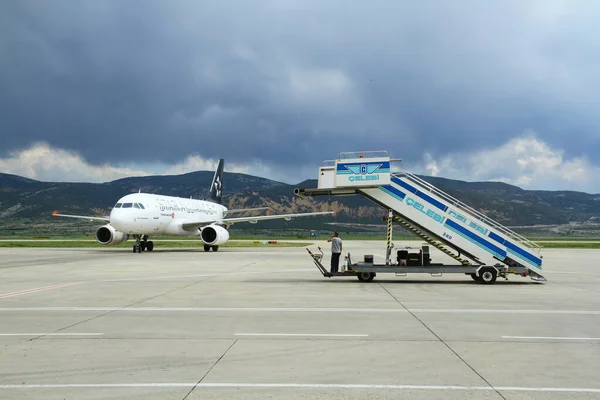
x=156 y=222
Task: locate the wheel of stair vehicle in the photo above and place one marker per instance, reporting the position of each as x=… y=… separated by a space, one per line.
x=488 y=275
x=475 y=277
x=366 y=276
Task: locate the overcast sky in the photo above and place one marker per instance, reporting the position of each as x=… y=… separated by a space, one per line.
x=473 y=90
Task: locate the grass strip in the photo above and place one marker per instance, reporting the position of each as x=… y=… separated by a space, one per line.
x=157 y=244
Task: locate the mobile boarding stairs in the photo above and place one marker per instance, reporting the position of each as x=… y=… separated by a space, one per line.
x=482 y=247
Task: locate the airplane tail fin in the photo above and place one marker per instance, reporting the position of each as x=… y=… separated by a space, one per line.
x=216 y=187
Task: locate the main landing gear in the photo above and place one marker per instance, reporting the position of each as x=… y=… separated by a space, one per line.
x=208 y=247
x=142 y=243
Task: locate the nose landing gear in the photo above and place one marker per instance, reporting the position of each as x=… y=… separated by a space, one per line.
x=142 y=243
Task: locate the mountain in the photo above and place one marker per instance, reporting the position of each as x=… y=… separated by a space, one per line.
x=27 y=199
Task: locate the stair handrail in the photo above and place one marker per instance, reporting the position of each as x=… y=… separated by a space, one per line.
x=482 y=217
x=364 y=154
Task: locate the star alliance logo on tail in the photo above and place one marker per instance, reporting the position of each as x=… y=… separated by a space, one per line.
x=218 y=187
x=363 y=169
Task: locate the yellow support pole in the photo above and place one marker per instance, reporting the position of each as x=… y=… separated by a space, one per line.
x=388 y=258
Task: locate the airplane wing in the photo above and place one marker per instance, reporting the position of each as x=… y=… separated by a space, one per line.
x=239 y=210
x=252 y=220
x=55 y=214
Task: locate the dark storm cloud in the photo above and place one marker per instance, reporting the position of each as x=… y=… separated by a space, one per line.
x=295 y=82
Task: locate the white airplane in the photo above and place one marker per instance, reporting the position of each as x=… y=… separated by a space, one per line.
x=142 y=214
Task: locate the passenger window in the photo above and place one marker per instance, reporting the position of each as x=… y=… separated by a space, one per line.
x=118 y=205
x=127 y=205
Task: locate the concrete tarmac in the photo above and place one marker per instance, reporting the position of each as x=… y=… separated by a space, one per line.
x=245 y=323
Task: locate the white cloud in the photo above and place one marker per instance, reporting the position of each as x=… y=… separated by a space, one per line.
x=45 y=163
x=197 y=163
x=524 y=161
x=42 y=162
x=431 y=166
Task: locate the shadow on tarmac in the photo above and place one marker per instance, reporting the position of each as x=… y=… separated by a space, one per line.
x=354 y=281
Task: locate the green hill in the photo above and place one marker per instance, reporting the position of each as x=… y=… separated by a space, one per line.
x=23 y=199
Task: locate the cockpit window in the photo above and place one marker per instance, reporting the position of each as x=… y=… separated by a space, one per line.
x=118 y=205
x=141 y=206
x=127 y=205
x=136 y=205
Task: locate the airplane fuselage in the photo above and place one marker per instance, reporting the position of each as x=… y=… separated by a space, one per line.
x=143 y=215
x=150 y=214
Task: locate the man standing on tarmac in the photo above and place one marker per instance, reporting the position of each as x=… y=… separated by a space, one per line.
x=336 y=251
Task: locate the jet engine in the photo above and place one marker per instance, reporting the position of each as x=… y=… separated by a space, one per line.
x=214 y=235
x=109 y=236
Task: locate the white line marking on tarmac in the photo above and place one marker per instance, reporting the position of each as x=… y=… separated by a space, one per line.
x=284 y=309
x=203 y=275
x=52 y=334
x=39 y=289
x=206 y=309
x=492 y=311
x=549 y=338
x=568 y=272
x=301 y=386
x=305 y=334
x=571 y=273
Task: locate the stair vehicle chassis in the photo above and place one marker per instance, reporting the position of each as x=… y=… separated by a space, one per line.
x=483 y=249
x=366 y=271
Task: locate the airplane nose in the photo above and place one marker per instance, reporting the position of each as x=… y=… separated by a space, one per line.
x=117 y=220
